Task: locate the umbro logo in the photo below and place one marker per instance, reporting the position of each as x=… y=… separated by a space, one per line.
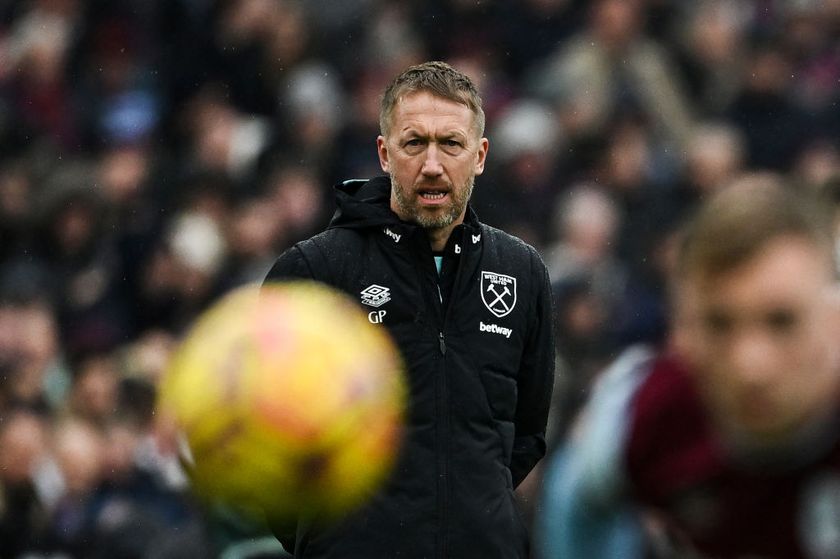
x=375 y=295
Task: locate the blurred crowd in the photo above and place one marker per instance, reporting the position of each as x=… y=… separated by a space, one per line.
x=155 y=154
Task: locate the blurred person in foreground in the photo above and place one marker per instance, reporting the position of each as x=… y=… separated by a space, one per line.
x=725 y=443
x=470 y=308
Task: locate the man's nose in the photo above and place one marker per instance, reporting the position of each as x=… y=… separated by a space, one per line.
x=752 y=358
x=432 y=166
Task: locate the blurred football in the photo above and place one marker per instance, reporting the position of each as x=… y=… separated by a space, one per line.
x=290 y=401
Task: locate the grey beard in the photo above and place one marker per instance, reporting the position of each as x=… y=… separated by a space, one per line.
x=409 y=210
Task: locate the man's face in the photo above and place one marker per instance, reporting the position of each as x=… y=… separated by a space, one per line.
x=762 y=340
x=432 y=153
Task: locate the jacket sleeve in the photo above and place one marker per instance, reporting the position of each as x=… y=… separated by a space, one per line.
x=535 y=379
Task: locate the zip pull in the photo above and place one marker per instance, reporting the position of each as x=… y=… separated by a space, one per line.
x=442 y=343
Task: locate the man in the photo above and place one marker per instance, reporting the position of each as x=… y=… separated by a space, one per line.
x=728 y=441
x=469 y=307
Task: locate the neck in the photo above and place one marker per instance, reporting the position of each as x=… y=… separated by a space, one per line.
x=439 y=236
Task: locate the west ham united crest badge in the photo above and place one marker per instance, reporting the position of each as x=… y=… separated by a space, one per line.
x=498 y=292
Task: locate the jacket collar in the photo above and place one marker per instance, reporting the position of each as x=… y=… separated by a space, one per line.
x=365 y=204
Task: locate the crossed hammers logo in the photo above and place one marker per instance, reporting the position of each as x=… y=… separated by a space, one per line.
x=499 y=297
x=498 y=292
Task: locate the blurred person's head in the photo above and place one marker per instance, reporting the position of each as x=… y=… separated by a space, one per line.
x=365 y=91
x=255 y=231
x=527 y=136
x=715 y=30
x=78 y=451
x=628 y=157
x=205 y=192
x=39 y=44
x=297 y=198
x=807 y=26
x=315 y=101
x=122 y=172
x=119 y=450
x=768 y=70
x=23 y=444
x=148 y=355
x=29 y=344
x=93 y=395
x=616 y=23
x=246 y=21
x=587 y=220
x=392 y=39
x=817 y=164
x=16 y=196
x=198 y=247
x=289 y=37
x=71 y=207
x=714 y=156
x=222 y=139
x=758 y=317
x=432 y=146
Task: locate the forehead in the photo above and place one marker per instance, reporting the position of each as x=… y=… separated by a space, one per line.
x=422 y=109
x=785 y=271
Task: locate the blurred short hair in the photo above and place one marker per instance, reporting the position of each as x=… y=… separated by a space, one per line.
x=438 y=78
x=742 y=218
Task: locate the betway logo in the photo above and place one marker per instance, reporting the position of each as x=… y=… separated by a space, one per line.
x=393 y=235
x=495 y=329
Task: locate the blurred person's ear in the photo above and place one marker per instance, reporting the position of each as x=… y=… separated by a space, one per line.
x=833 y=326
x=684 y=337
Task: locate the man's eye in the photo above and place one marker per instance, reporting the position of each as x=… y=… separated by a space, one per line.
x=414 y=142
x=452 y=147
x=781 y=321
x=717 y=323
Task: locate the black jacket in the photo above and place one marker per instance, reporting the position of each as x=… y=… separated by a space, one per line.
x=479 y=350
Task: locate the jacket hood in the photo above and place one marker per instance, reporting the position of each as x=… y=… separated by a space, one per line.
x=363 y=203
x=366 y=203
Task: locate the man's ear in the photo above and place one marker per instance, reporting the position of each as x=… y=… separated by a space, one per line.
x=833 y=305
x=382 y=150
x=832 y=328
x=481 y=155
x=683 y=335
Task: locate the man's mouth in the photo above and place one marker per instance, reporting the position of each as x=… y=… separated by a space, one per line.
x=432 y=195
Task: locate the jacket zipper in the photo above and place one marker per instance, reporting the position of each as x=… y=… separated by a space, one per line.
x=444 y=550
x=443 y=411
x=443 y=430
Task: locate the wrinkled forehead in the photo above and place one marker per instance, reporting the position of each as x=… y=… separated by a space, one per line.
x=412 y=95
